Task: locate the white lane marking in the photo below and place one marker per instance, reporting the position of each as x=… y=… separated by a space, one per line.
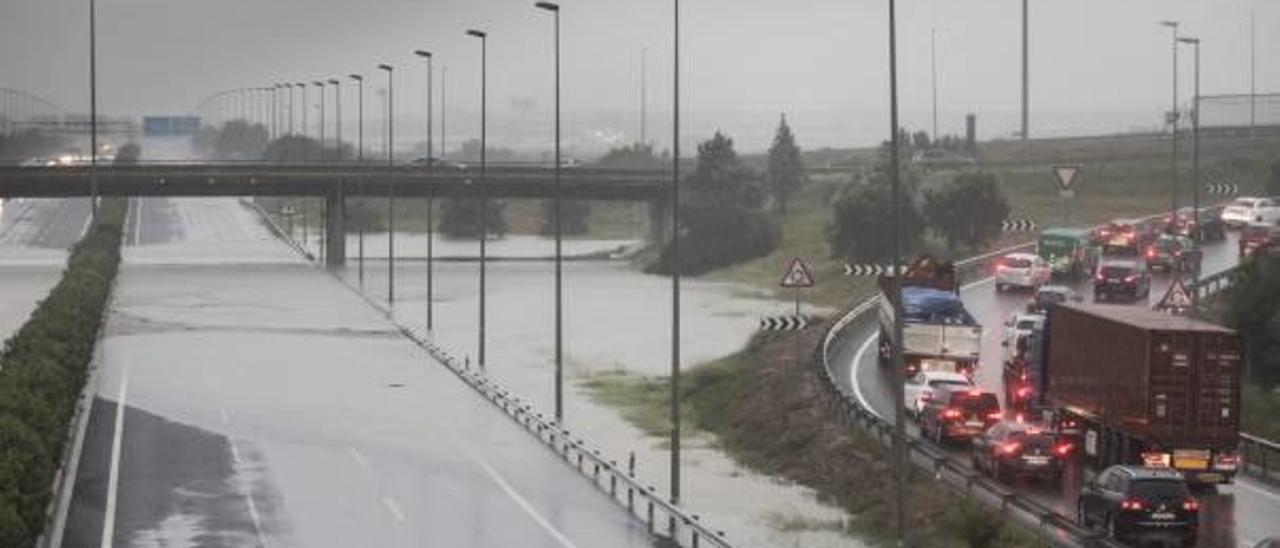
x=88 y=221
x=524 y=505
x=359 y=458
x=113 y=481
x=248 y=496
x=137 y=223
x=1257 y=490
x=857 y=364
x=393 y=508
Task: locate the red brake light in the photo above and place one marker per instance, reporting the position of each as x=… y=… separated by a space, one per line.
x=1063 y=449
x=1009 y=448
x=1191 y=505
x=1131 y=278
x=1023 y=393
x=1131 y=504
x=1151 y=252
x=975 y=392
x=995 y=416
x=950 y=413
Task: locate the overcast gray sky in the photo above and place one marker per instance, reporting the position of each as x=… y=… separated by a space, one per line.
x=1097 y=65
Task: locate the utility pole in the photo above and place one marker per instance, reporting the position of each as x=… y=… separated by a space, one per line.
x=933 y=65
x=93 y=109
x=360 y=160
x=1026 y=83
x=1253 y=78
x=644 y=98
x=675 y=264
x=484 y=174
x=899 y=422
x=559 y=230
x=1173 y=120
x=391 y=190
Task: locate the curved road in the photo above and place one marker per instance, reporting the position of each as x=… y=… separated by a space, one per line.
x=1237 y=515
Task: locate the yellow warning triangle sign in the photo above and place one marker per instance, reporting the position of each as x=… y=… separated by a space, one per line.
x=1178 y=297
x=798 y=274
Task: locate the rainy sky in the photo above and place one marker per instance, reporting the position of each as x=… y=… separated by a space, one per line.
x=1097 y=65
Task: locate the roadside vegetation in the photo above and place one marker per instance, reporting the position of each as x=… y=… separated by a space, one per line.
x=43 y=369
x=769 y=414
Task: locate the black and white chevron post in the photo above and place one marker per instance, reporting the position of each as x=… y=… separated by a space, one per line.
x=1018 y=225
x=866 y=269
x=1223 y=189
x=784 y=323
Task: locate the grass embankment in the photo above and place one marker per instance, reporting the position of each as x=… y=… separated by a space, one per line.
x=43 y=368
x=1261 y=413
x=769 y=415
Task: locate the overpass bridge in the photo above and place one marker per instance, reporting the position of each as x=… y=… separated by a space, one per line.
x=335 y=182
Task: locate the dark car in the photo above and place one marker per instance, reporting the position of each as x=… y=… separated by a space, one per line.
x=1174 y=254
x=1256 y=239
x=1128 y=278
x=1126 y=238
x=1011 y=449
x=1133 y=503
x=1047 y=296
x=1204 y=226
x=958 y=413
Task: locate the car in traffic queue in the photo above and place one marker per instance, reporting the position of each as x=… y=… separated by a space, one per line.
x=922 y=387
x=1012 y=449
x=1020 y=325
x=1140 y=504
x=957 y=413
x=1245 y=211
x=1070 y=252
x=1128 y=236
x=1258 y=238
x=1022 y=270
x=1122 y=277
x=1172 y=253
x=1201 y=226
x=1048 y=295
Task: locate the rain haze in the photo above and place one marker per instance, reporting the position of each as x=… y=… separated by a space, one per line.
x=1096 y=65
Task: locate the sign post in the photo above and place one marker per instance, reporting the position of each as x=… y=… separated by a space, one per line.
x=1178 y=300
x=1066 y=176
x=797 y=276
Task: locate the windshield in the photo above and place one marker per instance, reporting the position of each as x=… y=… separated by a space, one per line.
x=1025 y=325
x=980 y=404
x=1056 y=245
x=1116 y=271
x=1016 y=263
x=947 y=382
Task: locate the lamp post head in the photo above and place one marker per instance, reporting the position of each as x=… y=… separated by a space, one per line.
x=1188 y=40
x=356 y=77
x=478 y=34
x=1170 y=24
x=422 y=53
x=549 y=6
x=386 y=67
x=318 y=83
x=334 y=81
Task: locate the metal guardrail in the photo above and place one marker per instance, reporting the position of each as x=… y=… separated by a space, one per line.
x=641 y=501
x=1260 y=457
x=1211 y=285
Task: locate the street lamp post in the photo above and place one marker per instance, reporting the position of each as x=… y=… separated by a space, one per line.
x=556 y=200
x=320 y=84
x=1026 y=81
x=484 y=205
x=291 y=87
x=305 y=106
x=391 y=191
x=360 y=160
x=1195 y=139
x=899 y=422
x=93 y=108
x=337 y=117
x=1173 y=120
x=431 y=202
x=675 y=256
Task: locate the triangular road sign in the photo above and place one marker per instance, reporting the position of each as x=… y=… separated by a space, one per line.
x=1178 y=297
x=798 y=274
x=1066 y=175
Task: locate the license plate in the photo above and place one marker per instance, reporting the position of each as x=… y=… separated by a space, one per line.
x=1163 y=515
x=1191 y=464
x=1113 y=281
x=973 y=424
x=1209 y=478
x=1039 y=461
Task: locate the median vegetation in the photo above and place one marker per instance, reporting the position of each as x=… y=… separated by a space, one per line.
x=768 y=413
x=43 y=369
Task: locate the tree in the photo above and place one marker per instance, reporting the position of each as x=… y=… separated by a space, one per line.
x=968 y=210
x=721 y=218
x=862 y=225
x=292 y=149
x=1253 y=309
x=129 y=153
x=786 y=170
x=574 y=215
x=920 y=140
x=1273 y=186
x=235 y=140
x=460 y=218
x=636 y=156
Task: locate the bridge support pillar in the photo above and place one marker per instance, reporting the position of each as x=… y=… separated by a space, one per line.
x=335 y=229
x=660 y=215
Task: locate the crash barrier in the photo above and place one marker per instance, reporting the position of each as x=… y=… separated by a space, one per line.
x=643 y=502
x=1260 y=458
x=1211 y=285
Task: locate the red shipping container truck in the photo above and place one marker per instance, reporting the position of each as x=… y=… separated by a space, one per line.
x=1147 y=387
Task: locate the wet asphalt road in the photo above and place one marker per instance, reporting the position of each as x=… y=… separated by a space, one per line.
x=1237 y=515
x=266 y=405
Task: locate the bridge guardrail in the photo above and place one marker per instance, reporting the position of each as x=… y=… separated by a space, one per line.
x=641 y=501
x=1260 y=457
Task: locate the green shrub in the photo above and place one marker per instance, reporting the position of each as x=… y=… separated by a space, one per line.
x=718 y=236
x=43 y=368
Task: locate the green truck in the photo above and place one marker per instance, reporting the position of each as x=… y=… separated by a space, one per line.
x=1069 y=251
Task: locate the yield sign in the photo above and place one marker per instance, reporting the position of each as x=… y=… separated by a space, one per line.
x=1178 y=297
x=798 y=274
x=1066 y=175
